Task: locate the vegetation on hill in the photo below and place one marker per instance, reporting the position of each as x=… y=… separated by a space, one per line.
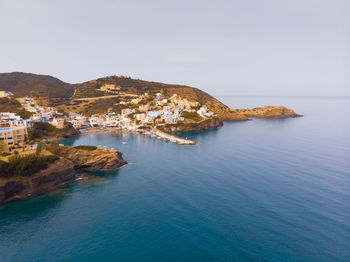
x=192 y=126
x=13 y=106
x=126 y=84
x=191 y=116
x=88 y=148
x=25 y=166
x=101 y=106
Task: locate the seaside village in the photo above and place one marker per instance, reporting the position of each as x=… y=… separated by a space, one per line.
x=161 y=111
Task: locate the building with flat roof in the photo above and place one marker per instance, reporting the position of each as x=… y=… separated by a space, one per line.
x=11 y=136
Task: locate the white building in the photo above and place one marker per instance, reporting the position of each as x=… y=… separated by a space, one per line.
x=58 y=122
x=6 y=94
x=204 y=112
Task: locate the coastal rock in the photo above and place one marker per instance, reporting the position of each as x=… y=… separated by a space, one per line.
x=90 y=160
x=61 y=171
x=57 y=174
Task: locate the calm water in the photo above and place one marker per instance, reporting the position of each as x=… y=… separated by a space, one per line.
x=262 y=190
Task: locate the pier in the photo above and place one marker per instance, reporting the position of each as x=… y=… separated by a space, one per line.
x=171 y=138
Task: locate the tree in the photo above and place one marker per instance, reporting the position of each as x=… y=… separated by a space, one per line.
x=2 y=147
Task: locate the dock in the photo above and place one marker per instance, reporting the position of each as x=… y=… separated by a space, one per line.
x=171 y=138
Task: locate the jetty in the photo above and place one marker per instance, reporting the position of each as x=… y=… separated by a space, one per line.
x=171 y=138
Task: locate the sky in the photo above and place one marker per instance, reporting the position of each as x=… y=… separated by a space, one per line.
x=224 y=47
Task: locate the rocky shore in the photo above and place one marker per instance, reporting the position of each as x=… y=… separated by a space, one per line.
x=60 y=172
x=193 y=127
x=89 y=159
x=57 y=174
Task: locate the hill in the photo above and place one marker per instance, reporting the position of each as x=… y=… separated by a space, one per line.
x=138 y=87
x=52 y=91
x=43 y=86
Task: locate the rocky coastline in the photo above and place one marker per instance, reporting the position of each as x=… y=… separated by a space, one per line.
x=268 y=112
x=276 y=112
x=60 y=172
x=207 y=124
x=73 y=159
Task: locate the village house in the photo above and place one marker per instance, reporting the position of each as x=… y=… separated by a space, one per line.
x=204 y=112
x=6 y=94
x=109 y=87
x=58 y=122
x=144 y=108
x=135 y=100
x=96 y=120
x=127 y=111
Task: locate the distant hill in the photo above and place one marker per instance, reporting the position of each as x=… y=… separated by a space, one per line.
x=26 y=84
x=53 y=91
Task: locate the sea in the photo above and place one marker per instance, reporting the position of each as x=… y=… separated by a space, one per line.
x=259 y=190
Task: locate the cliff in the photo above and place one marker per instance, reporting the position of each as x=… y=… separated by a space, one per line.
x=57 y=174
x=61 y=171
x=193 y=127
x=268 y=112
x=89 y=158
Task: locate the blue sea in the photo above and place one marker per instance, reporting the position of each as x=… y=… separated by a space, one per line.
x=260 y=190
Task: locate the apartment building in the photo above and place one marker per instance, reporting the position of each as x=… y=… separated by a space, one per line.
x=11 y=136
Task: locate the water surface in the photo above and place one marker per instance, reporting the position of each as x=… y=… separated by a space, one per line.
x=261 y=190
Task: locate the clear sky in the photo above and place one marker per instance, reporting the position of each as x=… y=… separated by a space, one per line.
x=237 y=47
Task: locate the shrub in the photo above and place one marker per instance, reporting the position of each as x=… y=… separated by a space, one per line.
x=89 y=148
x=5 y=154
x=40 y=130
x=38 y=149
x=12 y=105
x=191 y=115
x=25 y=165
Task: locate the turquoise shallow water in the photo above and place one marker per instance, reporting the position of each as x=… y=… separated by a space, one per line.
x=261 y=190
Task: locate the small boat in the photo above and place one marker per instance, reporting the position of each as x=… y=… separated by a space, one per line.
x=124 y=142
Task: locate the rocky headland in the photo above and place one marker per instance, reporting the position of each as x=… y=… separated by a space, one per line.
x=89 y=158
x=62 y=171
x=268 y=112
x=233 y=115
